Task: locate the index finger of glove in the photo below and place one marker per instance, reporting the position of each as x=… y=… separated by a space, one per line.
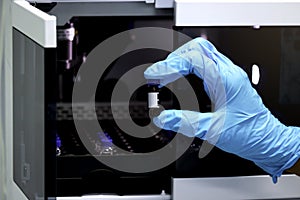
x=167 y=71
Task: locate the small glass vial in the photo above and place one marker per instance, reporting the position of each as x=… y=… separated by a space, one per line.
x=153 y=91
x=153 y=102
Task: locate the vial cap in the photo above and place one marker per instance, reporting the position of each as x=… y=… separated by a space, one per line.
x=153 y=81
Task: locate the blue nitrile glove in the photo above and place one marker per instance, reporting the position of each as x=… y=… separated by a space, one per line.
x=239 y=123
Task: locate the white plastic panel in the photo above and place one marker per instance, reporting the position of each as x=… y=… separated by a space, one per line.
x=164 y=3
x=243 y=187
x=237 y=13
x=34 y=23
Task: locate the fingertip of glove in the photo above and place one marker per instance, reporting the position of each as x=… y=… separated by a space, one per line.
x=147 y=73
x=160 y=120
x=274 y=179
x=157 y=122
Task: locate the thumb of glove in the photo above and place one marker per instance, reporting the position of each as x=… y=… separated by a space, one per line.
x=189 y=123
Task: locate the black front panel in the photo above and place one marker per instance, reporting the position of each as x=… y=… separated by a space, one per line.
x=275 y=50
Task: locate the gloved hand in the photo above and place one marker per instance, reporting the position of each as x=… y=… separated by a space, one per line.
x=239 y=123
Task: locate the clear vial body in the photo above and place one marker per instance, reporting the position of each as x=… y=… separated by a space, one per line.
x=153 y=92
x=153 y=98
